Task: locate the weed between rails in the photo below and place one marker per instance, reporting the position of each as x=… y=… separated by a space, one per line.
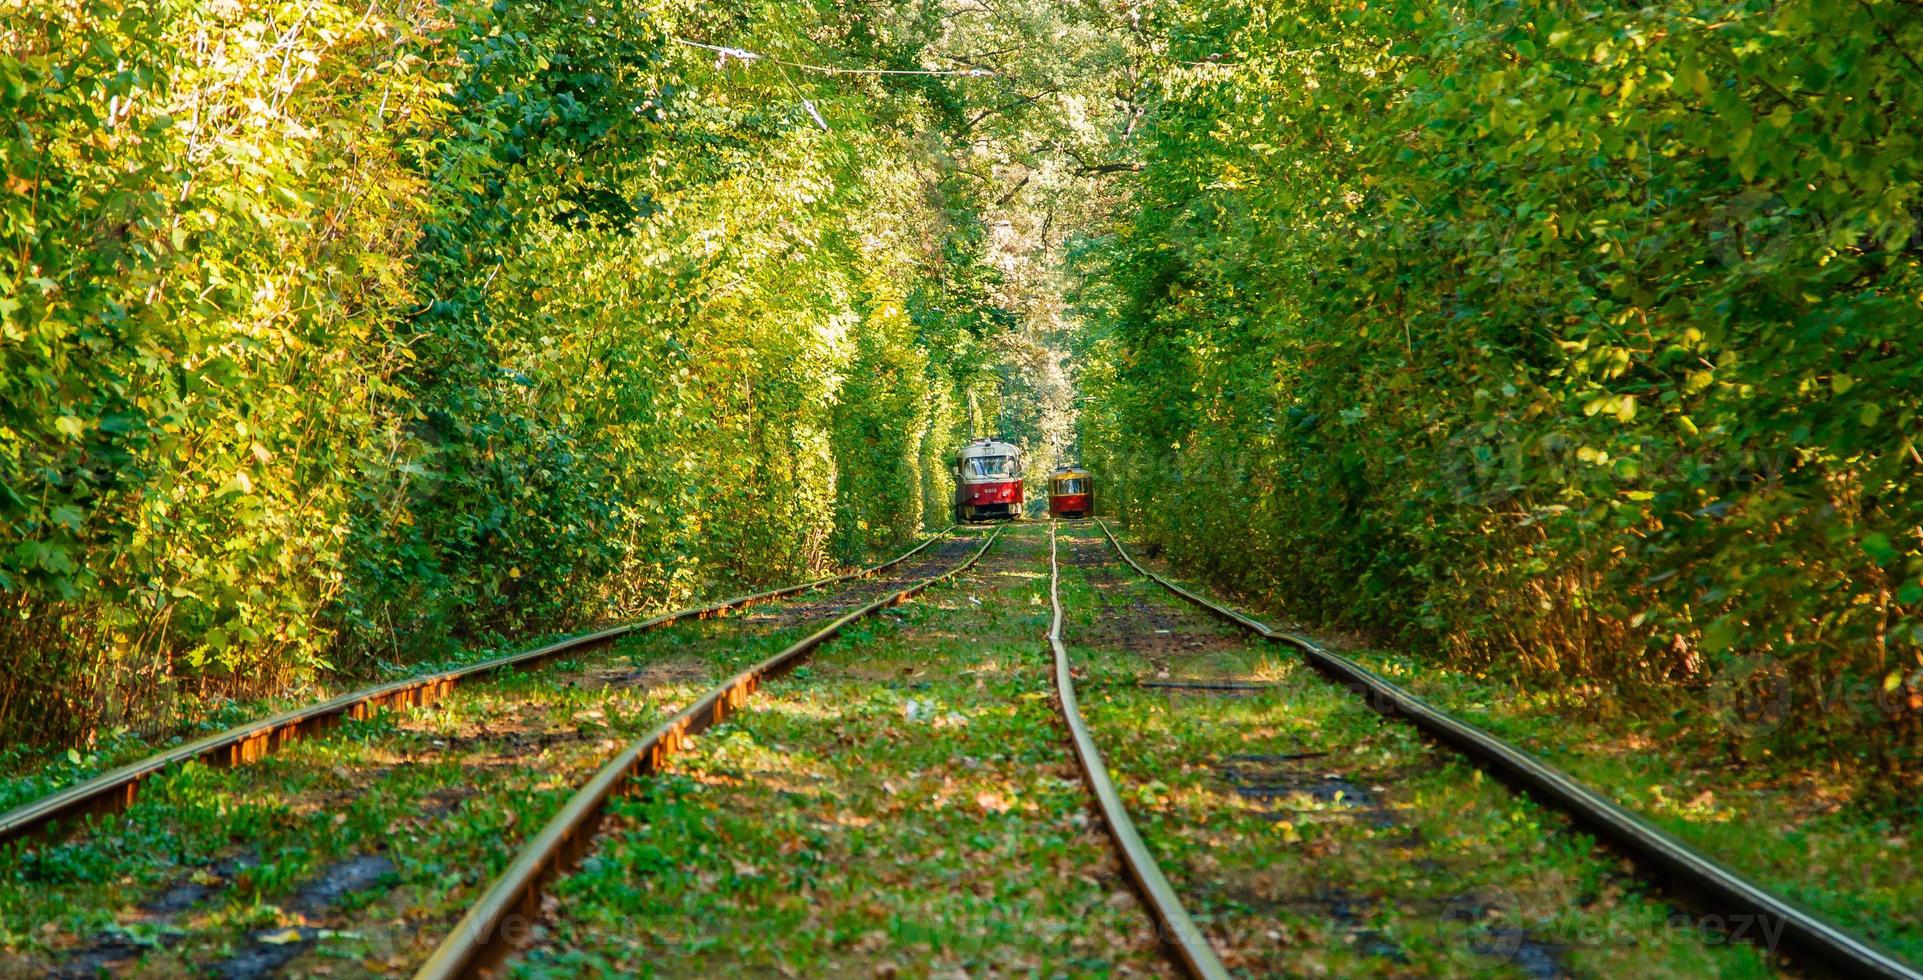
x=437 y=798
x=1804 y=833
x=1311 y=837
x=904 y=803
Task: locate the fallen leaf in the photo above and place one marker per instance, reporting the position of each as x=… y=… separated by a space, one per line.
x=281 y=938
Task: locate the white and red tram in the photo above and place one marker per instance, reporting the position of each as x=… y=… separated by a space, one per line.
x=988 y=481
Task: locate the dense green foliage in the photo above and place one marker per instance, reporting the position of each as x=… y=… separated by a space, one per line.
x=1582 y=340
x=338 y=335
x=202 y=247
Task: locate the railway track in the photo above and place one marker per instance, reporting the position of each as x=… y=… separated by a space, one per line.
x=392 y=803
x=500 y=921
x=1328 y=784
x=908 y=805
x=1188 y=944
x=114 y=791
x=1267 y=821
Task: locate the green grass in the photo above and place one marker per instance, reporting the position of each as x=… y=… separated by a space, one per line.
x=30 y=772
x=446 y=792
x=1801 y=832
x=1806 y=833
x=906 y=802
x=1378 y=881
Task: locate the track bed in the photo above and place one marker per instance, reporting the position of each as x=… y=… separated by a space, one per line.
x=902 y=803
x=761 y=794
x=355 y=852
x=1308 y=836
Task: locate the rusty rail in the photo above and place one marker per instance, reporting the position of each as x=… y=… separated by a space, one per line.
x=501 y=921
x=1721 y=887
x=115 y=790
x=1177 y=931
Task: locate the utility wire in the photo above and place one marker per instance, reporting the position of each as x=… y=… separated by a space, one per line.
x=813 y=113
x=724 y=53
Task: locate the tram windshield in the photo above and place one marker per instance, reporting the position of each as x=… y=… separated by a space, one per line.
x=1069 y=486
x=990 y=465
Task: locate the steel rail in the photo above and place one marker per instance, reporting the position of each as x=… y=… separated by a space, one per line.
x=502 y=919
x=1718 y=885
x=1173 y=925
x=115 y=790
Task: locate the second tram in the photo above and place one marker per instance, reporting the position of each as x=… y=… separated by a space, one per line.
x=1071 y=492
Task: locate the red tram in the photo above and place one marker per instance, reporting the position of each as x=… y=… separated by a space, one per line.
x=1071 y=492
x=988 y=481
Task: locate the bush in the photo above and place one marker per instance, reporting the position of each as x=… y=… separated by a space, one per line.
x=337 y=335
x=1580 y=342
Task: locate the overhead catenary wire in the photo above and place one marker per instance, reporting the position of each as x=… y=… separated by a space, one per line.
x=724 y=53
x=806 y=103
